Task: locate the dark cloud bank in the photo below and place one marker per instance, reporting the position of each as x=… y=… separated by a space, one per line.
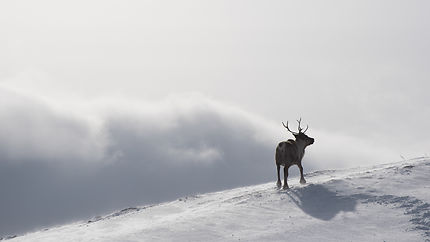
x=55 y=168
x=58 y=166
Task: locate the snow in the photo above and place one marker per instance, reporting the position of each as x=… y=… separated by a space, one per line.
x=387 y=202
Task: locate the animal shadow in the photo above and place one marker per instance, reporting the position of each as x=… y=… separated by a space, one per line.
x=321 y=203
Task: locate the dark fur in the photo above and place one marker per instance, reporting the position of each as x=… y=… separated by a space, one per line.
x=290 y=153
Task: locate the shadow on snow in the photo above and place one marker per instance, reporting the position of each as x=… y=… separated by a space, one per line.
x=321 y=203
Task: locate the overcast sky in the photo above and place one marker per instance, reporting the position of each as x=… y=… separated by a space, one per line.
x=108 y=104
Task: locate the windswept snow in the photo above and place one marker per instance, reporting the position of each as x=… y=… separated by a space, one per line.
x=382 y=203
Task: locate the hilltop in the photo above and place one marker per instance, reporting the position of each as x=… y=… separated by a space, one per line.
x=389 y=202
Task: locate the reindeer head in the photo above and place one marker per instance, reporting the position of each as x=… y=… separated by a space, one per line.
x=301 y=134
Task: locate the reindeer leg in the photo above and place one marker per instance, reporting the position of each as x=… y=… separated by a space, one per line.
x=278 y=183
x=285 y=177
x=302 y=178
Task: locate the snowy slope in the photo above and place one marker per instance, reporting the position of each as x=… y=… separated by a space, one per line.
x=383 y=203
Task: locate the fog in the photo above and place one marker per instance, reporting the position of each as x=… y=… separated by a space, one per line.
x=109 y=104
x=61 y=165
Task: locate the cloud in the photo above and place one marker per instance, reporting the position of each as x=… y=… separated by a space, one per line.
x=68 y=152
x=30 y=129
x=58 y=165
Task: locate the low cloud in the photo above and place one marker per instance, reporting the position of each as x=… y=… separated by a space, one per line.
x=58 y=166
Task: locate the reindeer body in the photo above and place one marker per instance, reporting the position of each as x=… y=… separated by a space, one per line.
x=290 y=153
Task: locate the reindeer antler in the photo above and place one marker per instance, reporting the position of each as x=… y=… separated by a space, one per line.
x=300 y=128
x=286 y=126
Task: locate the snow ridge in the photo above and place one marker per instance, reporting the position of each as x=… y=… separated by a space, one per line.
x=381 y=203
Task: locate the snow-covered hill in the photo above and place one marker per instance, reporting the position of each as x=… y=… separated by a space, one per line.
x=388 y=202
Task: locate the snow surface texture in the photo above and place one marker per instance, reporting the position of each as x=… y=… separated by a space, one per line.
x=387 y=202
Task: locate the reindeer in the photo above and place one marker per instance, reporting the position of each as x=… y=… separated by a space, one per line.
x=291 y=152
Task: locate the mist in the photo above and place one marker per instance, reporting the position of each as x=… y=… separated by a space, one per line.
x=58 y=166
x=108 y=104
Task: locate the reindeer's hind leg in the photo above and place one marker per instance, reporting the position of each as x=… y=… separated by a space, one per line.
x=285 y=177
x=302 y=178
x=278 y=183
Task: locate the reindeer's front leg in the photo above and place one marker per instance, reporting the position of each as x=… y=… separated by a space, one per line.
x=285 y=177
x=302 y=178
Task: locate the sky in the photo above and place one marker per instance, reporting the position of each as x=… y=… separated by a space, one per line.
x=109 y=104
